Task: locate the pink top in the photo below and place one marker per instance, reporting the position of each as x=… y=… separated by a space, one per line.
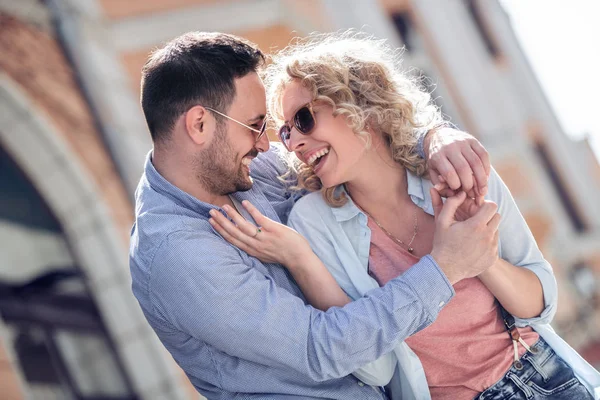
x=467 y=349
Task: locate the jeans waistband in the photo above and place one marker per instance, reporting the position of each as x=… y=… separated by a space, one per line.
x=541 y=352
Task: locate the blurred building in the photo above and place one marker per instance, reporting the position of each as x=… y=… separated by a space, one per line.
x=73 y=142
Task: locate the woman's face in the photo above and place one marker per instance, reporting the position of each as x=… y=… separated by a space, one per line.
x=332 y=147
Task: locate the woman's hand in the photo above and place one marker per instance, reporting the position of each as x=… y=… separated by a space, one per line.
x=467 y=209
x=270 y=242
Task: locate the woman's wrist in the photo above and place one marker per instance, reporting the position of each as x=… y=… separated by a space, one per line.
x=299 y=259
x=491 y=272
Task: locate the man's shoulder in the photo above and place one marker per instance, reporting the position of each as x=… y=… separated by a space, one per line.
x=271 y=162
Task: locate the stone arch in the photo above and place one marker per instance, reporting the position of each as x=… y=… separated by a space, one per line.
x=32 y=140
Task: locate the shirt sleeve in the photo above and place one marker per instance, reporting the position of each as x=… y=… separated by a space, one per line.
x=518 y=246
x=202 y=286
x=421 y=133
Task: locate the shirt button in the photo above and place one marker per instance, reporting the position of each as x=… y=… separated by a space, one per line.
x=361 y=383
x=441 y=303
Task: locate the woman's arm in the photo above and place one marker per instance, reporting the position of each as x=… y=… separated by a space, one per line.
x=518 y=289
x=317 y=284
x=522 y=281
x=278 y=243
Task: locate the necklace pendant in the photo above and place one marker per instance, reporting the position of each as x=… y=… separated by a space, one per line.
x=411 y=250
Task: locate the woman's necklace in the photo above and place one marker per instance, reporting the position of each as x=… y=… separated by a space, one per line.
x=394 y=238
x=408 y=246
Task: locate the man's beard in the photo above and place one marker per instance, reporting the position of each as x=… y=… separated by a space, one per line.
x=217 y=168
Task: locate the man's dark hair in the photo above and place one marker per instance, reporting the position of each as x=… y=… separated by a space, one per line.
x=194 y=68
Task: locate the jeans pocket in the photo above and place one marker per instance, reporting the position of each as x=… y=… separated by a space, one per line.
x=556 y=379
x=551 y=390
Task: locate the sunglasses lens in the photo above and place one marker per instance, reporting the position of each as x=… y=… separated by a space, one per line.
x=304 y=121
x=284 y=135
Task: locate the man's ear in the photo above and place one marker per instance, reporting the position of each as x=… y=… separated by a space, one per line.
x=199 y=125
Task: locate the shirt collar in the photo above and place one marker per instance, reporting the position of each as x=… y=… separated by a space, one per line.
x=418 y=190
x=159 y=184
x=348 y=210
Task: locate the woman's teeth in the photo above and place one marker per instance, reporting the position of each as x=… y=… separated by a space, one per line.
x=246 y=161
x=316 y=156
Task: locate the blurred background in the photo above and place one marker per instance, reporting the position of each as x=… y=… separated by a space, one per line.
x=73 y=141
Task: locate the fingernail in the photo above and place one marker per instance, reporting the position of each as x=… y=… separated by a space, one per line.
x=211 y=221
x=212 y=212
x=245 y=203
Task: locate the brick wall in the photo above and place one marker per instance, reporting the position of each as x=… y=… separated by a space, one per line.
x=34 y=60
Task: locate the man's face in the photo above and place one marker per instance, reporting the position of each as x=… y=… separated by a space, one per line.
x=224 y=166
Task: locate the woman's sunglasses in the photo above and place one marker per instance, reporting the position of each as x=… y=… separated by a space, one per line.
x=303 y=120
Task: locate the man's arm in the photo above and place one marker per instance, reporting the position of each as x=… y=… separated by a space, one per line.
x=457 y=157
x=201 y=286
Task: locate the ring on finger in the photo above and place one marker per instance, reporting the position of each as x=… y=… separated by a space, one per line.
x=258 y=230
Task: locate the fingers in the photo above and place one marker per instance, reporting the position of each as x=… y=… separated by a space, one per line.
x=485 y=213
x=483 y=156
x=443 y=188
x=245 y=226
x=228 y=236
x=235 y=231
x=436 y=201
x=446 y=215
x=494 y=223
x=260 y=219
x=434 y=176
x=477 y=170
x=446 y=170
x=480 y=200
x=463 y=169
x=440 y=186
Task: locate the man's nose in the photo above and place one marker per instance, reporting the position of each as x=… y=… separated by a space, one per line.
x=263 y=143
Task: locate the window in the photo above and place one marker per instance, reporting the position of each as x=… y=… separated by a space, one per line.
x=476 y=15
x=405 y=30
x=563 y=194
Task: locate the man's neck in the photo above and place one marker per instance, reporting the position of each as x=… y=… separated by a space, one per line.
x=181 y=176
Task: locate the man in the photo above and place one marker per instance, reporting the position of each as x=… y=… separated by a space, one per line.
x=238 y=327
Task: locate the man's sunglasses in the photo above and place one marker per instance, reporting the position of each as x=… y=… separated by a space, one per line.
x=303 y=120
x=259 y=132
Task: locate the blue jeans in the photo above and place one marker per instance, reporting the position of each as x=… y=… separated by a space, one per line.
x=543 y=375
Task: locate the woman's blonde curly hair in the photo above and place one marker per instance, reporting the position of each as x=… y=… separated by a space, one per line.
x=360 y=77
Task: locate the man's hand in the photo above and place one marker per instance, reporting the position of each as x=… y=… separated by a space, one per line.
x=467 y=248
x=458 y=160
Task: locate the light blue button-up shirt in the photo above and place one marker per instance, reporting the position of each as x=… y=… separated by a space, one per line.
x=240 y=328
x=342 y=240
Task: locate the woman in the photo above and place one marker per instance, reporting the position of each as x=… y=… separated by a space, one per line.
x=346 y=111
